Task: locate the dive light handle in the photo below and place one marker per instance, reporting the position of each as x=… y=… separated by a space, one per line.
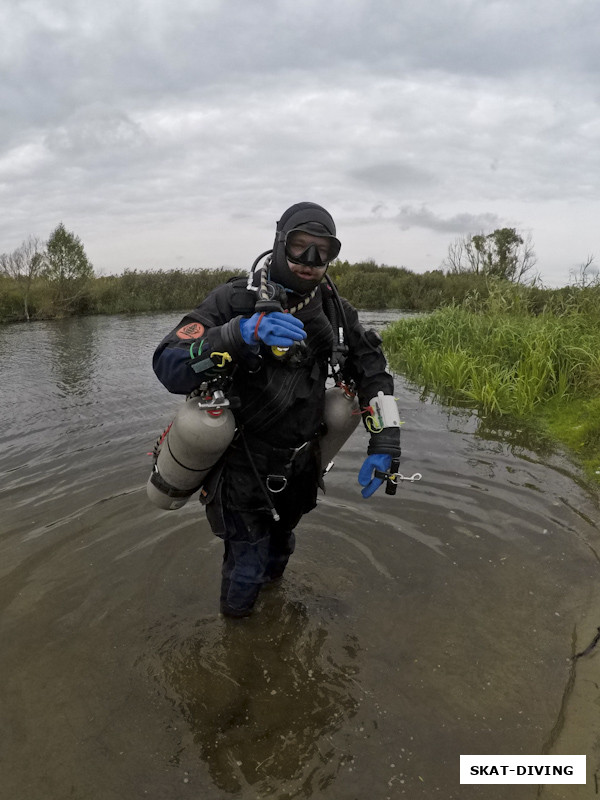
x=390 y=483
x=267 y=307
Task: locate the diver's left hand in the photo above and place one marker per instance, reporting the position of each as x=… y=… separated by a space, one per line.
x=379 y=461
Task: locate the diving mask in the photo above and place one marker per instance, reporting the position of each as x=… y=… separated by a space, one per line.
x=309 y=247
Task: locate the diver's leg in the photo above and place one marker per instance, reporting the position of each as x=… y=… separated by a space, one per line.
x=281 y=547
x=244 y=563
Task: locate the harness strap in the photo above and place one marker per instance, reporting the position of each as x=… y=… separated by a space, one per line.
x=263 y=488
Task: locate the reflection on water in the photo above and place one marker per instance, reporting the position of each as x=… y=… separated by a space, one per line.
x=262 y=698
x=525 y=438
x=73 y=350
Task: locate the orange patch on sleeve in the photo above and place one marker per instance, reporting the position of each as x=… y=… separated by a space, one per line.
x=193 y=330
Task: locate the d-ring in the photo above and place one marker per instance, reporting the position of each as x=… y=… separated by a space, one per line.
x=282 y=480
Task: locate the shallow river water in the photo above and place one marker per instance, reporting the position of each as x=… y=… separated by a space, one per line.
x=408 y=630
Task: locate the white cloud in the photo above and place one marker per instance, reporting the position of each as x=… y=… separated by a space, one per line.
x=93 y=130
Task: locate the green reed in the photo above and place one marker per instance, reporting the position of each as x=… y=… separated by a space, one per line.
x=543 y=368
x=501 y=363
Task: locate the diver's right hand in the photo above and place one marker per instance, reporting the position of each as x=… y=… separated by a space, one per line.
x=275 y=329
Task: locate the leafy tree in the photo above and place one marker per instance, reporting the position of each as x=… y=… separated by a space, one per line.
x=503 y=254
x=67 y=266
x=23 y=265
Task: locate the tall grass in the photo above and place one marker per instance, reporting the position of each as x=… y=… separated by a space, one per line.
x=507 y=363
x=500 y=363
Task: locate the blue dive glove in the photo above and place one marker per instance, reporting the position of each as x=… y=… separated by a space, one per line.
x=379 y=461
x=275 y=329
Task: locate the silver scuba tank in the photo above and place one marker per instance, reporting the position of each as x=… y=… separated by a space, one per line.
x=342 y=415
x=198 y=436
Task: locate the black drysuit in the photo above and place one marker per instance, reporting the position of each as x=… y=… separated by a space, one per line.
x=278 y=405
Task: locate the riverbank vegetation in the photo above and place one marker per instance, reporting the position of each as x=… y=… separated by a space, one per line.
x=53 y=279
x=540 y=368
x=133 y=292
x=365 y=284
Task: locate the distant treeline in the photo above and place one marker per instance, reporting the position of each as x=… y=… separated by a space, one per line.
x=372 y=287
x=132 y=292
x=366 y=285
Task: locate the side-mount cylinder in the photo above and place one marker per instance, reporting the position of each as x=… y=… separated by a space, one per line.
x=341 y=417
x=198 y=436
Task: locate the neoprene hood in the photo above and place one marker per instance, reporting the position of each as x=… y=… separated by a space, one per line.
x=308 y=217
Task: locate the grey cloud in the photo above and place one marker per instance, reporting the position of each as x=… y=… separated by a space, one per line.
x=423 y=217
x=392 y=175
x=149 y=51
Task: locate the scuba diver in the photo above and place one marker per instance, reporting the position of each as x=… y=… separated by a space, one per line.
x=262 y=350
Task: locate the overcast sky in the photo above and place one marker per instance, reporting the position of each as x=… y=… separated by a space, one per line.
x=174 y=135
